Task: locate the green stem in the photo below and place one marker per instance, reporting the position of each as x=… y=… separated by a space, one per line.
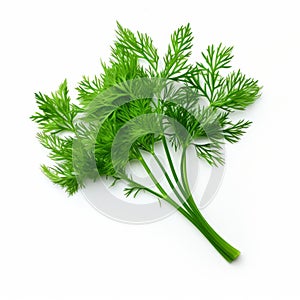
x=167 y=151
x=182 y=201
x=195 y=217
x=144 y=187
x=224 y=248
x=189 y=197
x=157 y=184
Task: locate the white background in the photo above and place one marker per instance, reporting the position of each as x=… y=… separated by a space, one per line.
x=55 y=247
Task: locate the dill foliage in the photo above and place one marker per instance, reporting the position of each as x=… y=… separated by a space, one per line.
x=139 y=100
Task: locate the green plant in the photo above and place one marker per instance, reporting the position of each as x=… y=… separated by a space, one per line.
x=136 y=98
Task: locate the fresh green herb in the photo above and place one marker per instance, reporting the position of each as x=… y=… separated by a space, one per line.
x=138 y=102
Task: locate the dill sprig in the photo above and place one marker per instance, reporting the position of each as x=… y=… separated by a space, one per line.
x=138 y=103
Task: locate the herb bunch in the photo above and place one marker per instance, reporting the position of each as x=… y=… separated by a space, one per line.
x=196 y=114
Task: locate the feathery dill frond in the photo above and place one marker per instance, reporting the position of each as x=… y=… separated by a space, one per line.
x=132 y=105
